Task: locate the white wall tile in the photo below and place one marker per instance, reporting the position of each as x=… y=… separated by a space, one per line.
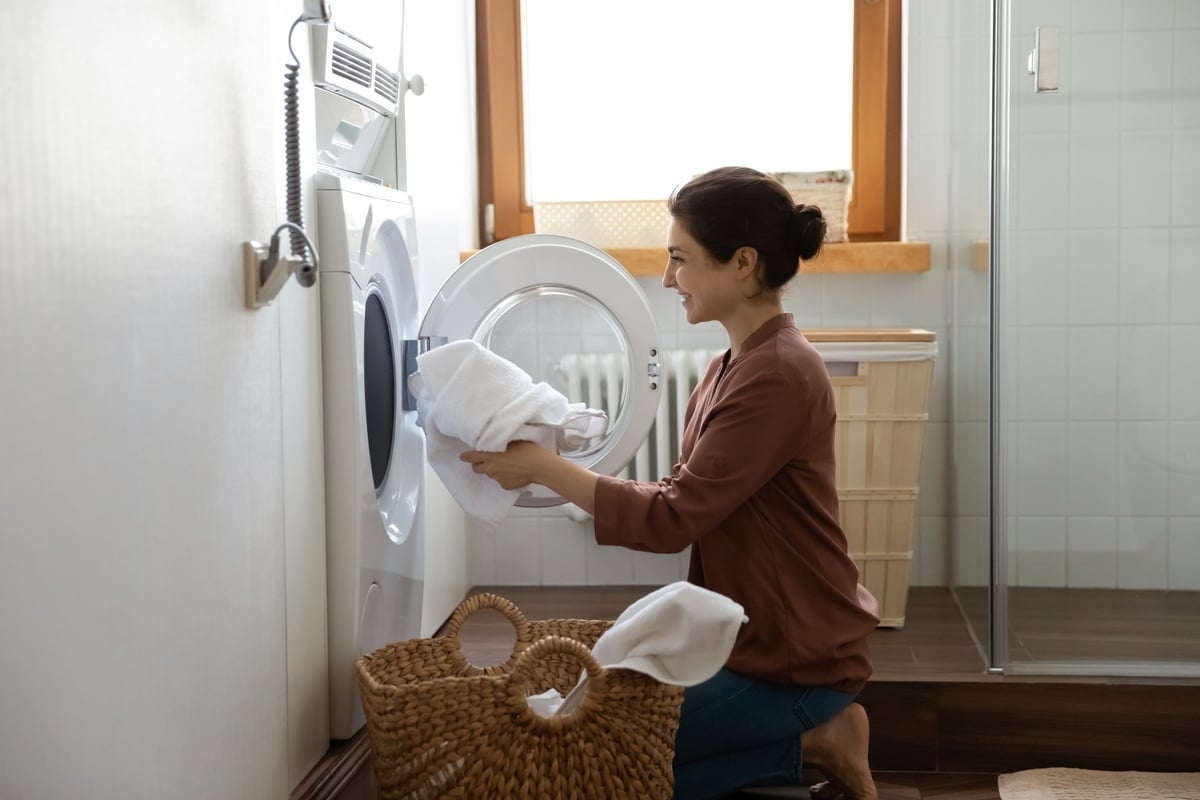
x=1042 y=264
x=1185 y=275
x=562 y=545
x=1096 y=15
x=1144 y=263
x=1095 y=82
x=1041 y=362
x=971 y=20
x=970 y=468
x=970 y=195
x=1144 y=458
x=656 y=569
x=931 y=553
x=1187 y=14
x=1142 y=553
x=1183 y=546
x=1041 y=465
x=1143 y=365
x=1041 y=181
x=970 y=548
x=939 y=390
x=1092 y=468
x=845 y=301
x=1028 y=14
x=933 y=499
x=909 y=301
x=1145 y=179
x=1185 y=176
x=927 y=186
x=1092 y=552
x=517 y=562
x=1185 y=372
x=1042 y=555
x=1184 y=492
x=1094 y=182
x=802 y=298
x=970 y=105
x=929 y=76
x=1145 y=77
x=931 y=18
x=1150 y=15
x=481 y=555
x=1092 y=372
x=1012 y=548
x=1093 y=277
x=1186 y=97
x=608 y=565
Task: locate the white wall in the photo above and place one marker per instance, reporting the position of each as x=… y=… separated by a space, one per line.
x=440 y=124
x=1103 y=275
x=142 y=549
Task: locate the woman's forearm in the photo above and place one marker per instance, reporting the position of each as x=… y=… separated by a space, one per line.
x=566 y=479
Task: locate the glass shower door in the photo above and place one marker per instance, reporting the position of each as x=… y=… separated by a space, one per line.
x=1096 y=280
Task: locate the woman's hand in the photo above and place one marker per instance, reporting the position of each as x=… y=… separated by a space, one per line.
x=523 y=463
x=515 y=468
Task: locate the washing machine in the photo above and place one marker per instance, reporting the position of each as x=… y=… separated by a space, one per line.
x=536 y=300
x=374 y=450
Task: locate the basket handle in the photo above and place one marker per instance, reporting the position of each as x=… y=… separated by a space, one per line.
x=479 y=602
x=545 y=648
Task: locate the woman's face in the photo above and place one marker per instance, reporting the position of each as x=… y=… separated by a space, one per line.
x=705 y=286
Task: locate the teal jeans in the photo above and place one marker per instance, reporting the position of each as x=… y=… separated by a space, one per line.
x=736 y=732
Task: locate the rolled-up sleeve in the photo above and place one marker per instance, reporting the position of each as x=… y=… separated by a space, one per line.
x=746 y=437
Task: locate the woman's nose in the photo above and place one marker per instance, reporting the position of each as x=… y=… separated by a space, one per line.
x=669 y=275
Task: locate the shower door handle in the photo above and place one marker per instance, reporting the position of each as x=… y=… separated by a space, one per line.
x=1043 y=60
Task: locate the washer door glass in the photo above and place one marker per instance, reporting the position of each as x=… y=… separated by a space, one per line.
x=568 y=314
x=396 y=444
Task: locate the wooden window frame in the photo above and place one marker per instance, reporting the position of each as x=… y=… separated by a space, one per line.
x=875 y=150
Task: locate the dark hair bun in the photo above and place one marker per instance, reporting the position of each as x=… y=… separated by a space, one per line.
x=806 y=231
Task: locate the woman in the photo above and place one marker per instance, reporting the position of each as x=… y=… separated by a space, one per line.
x=753 y=494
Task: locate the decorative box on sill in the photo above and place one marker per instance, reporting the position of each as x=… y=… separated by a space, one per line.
x=613 y=224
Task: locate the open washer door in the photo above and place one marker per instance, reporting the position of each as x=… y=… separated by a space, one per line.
x=549 y=303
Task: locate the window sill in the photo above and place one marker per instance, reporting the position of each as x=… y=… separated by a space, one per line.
x=836 y=257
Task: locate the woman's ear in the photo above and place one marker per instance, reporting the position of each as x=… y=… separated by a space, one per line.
x=745 y=260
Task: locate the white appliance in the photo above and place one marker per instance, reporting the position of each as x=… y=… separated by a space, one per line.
x=533 y=300
x=374 y=451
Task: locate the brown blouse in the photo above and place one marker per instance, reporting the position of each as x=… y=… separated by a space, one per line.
x=754 y=495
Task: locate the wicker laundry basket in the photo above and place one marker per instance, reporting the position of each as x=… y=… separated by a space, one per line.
x=441 y=727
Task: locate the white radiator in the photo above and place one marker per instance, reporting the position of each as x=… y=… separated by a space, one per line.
x=597 y=379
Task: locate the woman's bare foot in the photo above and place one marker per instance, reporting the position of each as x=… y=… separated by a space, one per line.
x=838 y=750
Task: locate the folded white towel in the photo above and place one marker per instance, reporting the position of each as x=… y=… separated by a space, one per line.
x=469 y=398
x=681 y=634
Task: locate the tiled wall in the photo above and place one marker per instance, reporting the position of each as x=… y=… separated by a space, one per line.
x=1102 y=290
x=946 y=206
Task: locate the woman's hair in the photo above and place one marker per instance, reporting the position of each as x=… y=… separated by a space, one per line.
x=732 y=207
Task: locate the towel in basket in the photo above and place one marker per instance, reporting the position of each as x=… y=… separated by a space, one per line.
x=441 y=727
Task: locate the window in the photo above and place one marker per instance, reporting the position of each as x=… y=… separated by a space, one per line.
x=875 y=119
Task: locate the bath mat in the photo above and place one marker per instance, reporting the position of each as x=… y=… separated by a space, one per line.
x=1060 y=783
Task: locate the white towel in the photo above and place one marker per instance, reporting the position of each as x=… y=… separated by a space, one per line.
x=469 y=398
x=681 y=634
